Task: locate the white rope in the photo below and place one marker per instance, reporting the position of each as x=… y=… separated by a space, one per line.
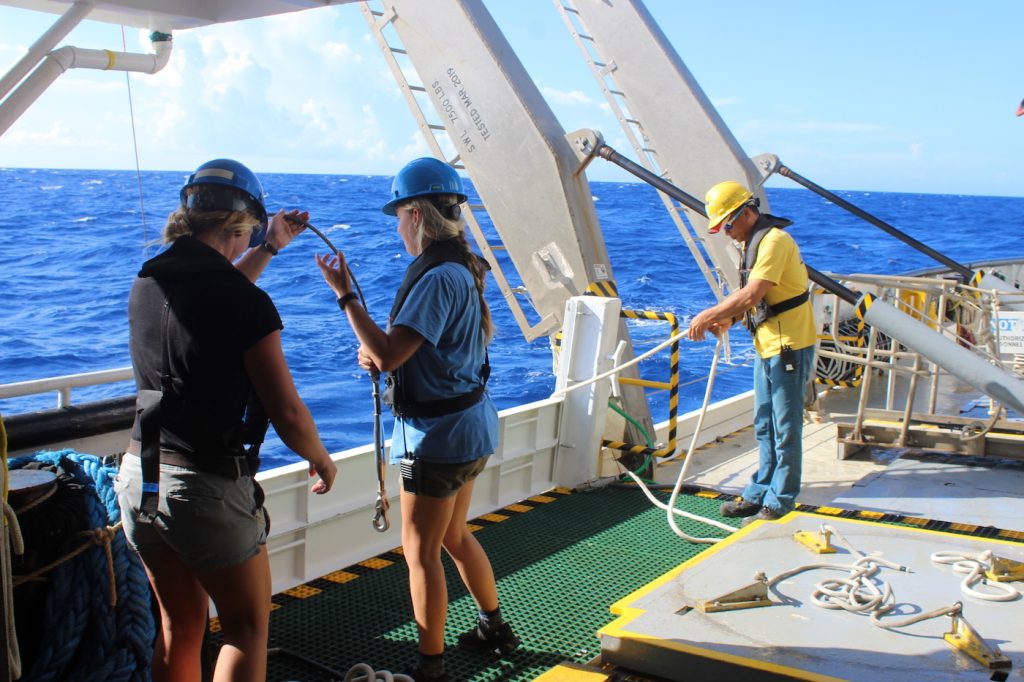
x=615 y=370
x=670 y=508
x=974 y=564
x=861 y=591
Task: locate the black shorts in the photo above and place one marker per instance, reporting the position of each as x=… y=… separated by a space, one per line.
x=433 y=479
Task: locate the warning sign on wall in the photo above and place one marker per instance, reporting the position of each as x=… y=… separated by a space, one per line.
x=1010 y=328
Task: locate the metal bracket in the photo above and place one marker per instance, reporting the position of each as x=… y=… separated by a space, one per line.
x=819 y=543
x=752 y=596
x=967 y=640
x=766 y=164
x=585 y=143
x=1005 y=570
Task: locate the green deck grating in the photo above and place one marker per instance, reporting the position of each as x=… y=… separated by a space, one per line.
x=559 y=564
x=561 y=560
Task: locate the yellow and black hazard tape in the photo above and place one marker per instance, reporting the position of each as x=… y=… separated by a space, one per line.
x=673 y=389
x=862 y=309
x=970 y=529
x=605 y=288
x=852 y=382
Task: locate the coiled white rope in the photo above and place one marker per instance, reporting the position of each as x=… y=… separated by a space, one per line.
x=974 y=565
x=861 y=591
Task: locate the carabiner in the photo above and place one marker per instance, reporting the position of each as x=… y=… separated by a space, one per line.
x=380 y=518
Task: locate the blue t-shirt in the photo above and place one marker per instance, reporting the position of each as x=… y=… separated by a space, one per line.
x=443 y=307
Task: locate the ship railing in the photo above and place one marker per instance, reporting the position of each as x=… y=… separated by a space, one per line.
x=62 y=385
x=977 y=319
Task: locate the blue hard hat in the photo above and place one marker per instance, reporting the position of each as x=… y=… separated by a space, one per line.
x=240 y=190
x=422 y=178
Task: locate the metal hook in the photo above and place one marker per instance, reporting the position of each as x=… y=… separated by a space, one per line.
x=380 y=517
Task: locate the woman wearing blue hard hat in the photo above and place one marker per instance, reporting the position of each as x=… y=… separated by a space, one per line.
x=206 y=352
x=435 y=351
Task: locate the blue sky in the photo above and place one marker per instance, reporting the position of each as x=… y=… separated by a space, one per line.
x=908 y=96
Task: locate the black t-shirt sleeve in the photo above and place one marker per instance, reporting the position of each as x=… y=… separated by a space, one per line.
x=258 y=318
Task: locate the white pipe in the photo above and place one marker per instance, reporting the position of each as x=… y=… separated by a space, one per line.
x=993 y=381
x=64 y=25
x=65 y=58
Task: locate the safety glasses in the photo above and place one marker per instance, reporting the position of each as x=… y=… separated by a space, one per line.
x=728 y=223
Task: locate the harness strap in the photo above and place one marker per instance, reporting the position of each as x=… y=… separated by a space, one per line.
x=440 y=407
x=229 y=467
x=763 y=311
x=148 y=407
x=789 y=303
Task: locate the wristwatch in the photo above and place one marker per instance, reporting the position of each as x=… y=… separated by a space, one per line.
x=346 y=299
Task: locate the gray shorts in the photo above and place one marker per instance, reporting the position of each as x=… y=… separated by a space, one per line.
x=432 y=479
x=209 y=521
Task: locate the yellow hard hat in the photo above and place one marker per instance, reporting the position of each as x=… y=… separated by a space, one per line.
x=721 y=200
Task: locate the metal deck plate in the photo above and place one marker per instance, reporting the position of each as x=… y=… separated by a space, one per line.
x=947 y=487
x=658 y=634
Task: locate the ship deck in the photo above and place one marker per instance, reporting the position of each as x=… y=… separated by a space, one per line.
x=563 y=558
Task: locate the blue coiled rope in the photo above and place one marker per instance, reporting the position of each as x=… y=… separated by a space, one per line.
x=87 y=639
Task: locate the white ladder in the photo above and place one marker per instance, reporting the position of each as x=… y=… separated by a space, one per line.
x=379 y=21
x=604 y=72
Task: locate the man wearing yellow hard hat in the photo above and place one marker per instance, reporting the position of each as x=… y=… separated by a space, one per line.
x=773 y=303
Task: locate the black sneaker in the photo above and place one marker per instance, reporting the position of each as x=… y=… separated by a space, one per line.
x=484 y=639
x=765 y=514
x=417 y=673
x=739 y=508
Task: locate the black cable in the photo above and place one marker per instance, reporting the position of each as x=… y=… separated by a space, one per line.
x=378 y=426
x=334 y=250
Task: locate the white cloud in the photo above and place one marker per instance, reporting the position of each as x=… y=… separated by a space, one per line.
x=570 y=97
x=57 y=134
x=341 y=52
x=416 y=147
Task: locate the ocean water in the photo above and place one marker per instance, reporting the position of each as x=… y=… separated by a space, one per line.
x=72 y=241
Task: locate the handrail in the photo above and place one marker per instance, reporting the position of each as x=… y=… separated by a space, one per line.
x=63 y=384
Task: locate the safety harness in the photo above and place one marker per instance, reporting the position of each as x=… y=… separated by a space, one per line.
x=244 y=439
x=436 y=253
x=763 y=312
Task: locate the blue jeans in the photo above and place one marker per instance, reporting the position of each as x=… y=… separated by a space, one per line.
x=779 y=426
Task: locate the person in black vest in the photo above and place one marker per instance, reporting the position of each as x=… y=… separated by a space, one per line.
x=435 y=351
x=209 y=369
x=773 y=302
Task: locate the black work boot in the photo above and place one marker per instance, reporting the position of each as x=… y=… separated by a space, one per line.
x=739 y=508
x=483 y=638
x=428 y=668
x=417 y=673
x=766 y=514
